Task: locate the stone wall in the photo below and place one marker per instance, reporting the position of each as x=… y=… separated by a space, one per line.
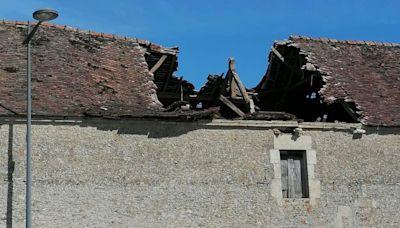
x=155 y=174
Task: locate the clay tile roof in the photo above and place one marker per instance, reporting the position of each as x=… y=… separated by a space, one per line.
x=365 y=72
x=76 y=72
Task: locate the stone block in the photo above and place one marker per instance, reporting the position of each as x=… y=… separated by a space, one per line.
x=275 y=156
x=311 y=157
x=310 y=171
x=277 y=171
x=291 y=142
x=314 y=188
x=276 y=188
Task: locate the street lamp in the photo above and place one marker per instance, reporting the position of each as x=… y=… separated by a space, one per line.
x=41 y=16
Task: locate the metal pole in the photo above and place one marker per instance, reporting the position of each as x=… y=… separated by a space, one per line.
x=28 y=138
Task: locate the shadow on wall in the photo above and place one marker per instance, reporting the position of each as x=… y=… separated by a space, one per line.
x=151 y=129
x=148 y=127
x=10 y=173
x=162 y=131
x=165 y=129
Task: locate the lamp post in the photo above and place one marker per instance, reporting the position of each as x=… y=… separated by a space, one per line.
x=41 y=16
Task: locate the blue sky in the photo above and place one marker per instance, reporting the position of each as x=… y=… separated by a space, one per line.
x=209 y=32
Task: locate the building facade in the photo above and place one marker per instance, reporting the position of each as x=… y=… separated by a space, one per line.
x=118 y=140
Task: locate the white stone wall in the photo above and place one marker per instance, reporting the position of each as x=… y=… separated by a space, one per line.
x=155 y=174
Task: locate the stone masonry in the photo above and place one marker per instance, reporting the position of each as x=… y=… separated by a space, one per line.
x=165 y=174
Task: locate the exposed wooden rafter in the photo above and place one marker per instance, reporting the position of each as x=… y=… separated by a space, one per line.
x=268 y=74
x=231 y=105
x=346 y=106
x=187 y=97
x=169 y=75
x=293 y=71
x=276 y=52
x=286 y=89
x=280 y=57
x=280 y=89
x=158 y=64
x=241 y=87
x=235 y=82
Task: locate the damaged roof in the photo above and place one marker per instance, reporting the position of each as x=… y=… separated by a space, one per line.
x=364 y=73
x=367 y=73
x=79 y=73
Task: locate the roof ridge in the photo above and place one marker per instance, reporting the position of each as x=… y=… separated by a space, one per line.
x=171 y=50
x=354 y=42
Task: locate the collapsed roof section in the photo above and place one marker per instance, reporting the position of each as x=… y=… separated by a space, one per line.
x=229 y=95
x=163 y=63
x=331 y=80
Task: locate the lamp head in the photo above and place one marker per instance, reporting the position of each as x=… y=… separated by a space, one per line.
x=45 y=15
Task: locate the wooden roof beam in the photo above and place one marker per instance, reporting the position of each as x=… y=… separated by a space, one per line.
x=237 y=80
x=158 y=64
x=346 y=106
x=231 y=105
x=169 y=75
x=280 y=104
